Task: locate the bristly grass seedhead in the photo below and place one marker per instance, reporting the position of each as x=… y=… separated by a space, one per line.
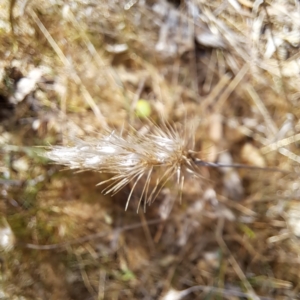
x=136 y=157
x=133 y=156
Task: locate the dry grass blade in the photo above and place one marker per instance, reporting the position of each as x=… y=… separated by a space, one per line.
x=67 y=63
x=232 y=260
x=282 y=143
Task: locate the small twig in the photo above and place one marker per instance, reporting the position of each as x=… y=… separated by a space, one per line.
x=199 y=162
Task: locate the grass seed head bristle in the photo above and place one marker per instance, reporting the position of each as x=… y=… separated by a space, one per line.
x=131 y=157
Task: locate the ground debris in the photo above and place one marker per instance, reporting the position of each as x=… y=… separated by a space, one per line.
x=70 y=70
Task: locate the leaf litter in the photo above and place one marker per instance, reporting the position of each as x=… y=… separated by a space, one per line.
x=231 y=66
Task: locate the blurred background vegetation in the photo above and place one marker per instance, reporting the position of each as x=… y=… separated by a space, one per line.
x=69 y=69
